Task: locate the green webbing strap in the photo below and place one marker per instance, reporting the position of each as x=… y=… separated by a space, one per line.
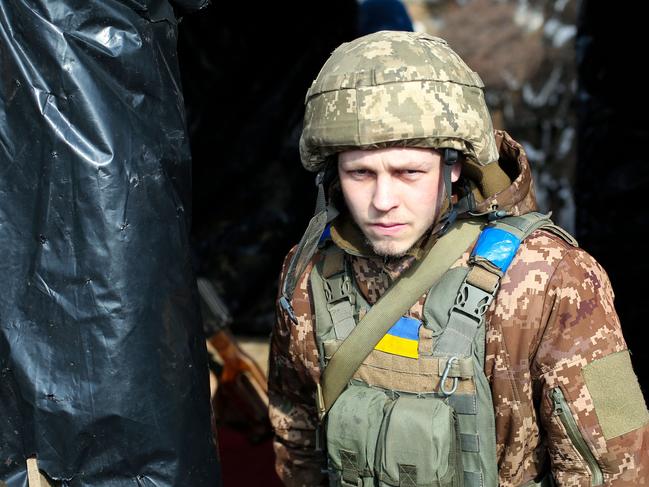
x=466 y=317
x=473 y=479
x=389 y=308
x=338 y=291
x=470 y=442
x=523 y=225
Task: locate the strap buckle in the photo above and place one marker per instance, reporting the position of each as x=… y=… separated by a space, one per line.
x=337 y=288
x=286 y=306
x=473 y=302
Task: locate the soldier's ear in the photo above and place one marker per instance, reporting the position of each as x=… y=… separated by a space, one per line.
x=456 y=170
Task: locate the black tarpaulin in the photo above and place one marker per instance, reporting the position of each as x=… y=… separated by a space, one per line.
x=102 y=364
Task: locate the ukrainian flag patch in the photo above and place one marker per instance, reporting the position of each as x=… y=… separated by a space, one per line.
x=402 y=339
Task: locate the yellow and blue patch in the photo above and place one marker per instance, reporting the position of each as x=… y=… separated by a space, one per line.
x=402 y=339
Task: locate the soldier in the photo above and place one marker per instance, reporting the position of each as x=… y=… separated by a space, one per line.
x=433 y=328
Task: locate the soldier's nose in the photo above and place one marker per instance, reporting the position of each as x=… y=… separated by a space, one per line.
x=385 y=196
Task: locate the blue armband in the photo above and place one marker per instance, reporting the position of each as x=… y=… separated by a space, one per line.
x=497 y=246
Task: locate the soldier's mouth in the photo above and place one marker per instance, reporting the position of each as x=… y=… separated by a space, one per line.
x=387 y=228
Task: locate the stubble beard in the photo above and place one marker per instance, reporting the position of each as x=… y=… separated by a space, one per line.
x=387 y=249
x=392 y=250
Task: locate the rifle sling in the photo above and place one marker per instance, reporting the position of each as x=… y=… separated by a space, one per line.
x=390 y=307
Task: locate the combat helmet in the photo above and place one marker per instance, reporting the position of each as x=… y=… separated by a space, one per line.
x=390 y=89
x=393 y=88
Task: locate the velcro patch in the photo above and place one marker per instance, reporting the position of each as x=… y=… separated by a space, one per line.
x=616 y=394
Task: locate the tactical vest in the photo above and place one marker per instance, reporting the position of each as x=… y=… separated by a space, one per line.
x=419 y=411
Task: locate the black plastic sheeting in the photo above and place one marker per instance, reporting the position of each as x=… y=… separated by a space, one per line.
x=103 y=371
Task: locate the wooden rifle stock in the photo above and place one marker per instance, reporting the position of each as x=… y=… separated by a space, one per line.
x=241 y=398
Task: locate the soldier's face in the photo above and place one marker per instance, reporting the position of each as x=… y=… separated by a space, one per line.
x=394 y=195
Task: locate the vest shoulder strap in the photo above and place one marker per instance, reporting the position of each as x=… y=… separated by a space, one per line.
x=490 y=259
x=338 y=298
x=523 y=225
x=333 y=261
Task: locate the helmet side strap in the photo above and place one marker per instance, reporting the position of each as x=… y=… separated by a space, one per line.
x=450 y=157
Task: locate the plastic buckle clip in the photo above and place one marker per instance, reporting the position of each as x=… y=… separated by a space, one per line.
x=286 y=306
x=473 y=302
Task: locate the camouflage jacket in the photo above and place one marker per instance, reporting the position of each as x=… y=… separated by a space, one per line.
x=552 y=317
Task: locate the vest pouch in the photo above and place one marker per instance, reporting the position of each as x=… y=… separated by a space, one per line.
x=353 y=425
x=419 y=444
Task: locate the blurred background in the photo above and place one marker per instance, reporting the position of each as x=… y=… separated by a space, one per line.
x=556 y=78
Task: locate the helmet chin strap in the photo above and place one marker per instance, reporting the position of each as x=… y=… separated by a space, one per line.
x=450 y=157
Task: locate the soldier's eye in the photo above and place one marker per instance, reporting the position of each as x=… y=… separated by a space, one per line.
x=410 y=172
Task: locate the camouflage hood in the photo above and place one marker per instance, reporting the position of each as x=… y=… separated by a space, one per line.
x=505 y=185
